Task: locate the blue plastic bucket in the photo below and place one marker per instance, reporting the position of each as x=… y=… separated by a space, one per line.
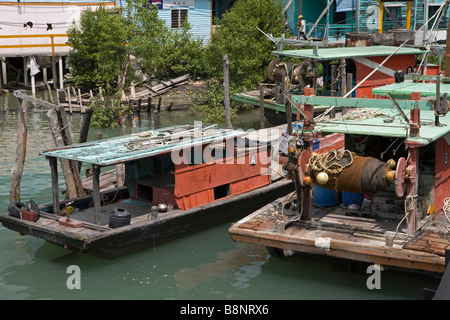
x=325 y=197
x=349 y=198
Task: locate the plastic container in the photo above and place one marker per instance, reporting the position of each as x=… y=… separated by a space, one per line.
x=325 y=197
x=296 y=128
x=321 y=196
x=349 y=198
x=119 y=218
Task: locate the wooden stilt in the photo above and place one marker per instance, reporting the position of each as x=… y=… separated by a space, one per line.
x=21 y=150
x=55 y=190
x=59 y=142
x=96 y=193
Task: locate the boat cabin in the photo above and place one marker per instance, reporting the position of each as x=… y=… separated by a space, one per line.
x=177 y=180
x=183 y=167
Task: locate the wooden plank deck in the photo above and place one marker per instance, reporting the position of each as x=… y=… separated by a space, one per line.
x=332 y=232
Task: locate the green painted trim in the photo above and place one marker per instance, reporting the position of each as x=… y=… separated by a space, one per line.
x=362 y=102
x=255 y=101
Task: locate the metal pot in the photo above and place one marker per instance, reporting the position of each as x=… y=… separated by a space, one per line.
x=162 y=207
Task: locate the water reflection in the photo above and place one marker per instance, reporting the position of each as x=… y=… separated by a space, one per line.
x=204 y=265
x=247 y=259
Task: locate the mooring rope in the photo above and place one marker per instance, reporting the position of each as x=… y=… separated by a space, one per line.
x=329 y=161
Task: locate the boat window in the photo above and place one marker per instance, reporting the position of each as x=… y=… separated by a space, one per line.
x=145 y=192
x=222 y=191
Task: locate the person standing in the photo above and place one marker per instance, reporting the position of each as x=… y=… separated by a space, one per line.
x=301 y=26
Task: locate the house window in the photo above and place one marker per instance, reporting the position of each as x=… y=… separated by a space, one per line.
x=178 y=18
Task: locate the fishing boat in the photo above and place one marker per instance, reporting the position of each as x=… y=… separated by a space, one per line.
x=393 y=177
x=343 y=68
x=178 y=180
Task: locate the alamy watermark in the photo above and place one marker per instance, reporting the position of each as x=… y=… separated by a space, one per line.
x=240 y=147
x=74 y=280
x=374 y=280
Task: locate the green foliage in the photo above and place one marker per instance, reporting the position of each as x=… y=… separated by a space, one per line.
x=181 y=54
x=209 y=103
x=99 y=55
x=107 y=112
x=162 y=51
x=248 y=51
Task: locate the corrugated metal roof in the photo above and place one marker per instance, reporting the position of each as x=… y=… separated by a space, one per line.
x=398 y=128
x=143 y=145
x=404 y=89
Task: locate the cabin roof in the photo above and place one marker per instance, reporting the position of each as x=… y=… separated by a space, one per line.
x=398 y=128
x=140 y=145
x=346 y=52
x=404 y=89
x=373 y=117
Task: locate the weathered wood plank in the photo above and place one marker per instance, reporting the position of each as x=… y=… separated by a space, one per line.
x=21 y=150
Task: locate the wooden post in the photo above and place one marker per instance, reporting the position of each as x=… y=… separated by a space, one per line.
x=149 y=104
x=21 y=150
x=333 y=88
x=54 y=73
x=67 y=138
x=85 y=125
x=81 y=103
x=343 y=81
x=55 y=190
x=61 y=77
x=4 y=73
x=96 y=192
x=25 y=72
x=69 y=98
x=84 y=130
x=261 y=106
x=49 y=92
x=226 y=91
x=59 y=142
x=156 y=116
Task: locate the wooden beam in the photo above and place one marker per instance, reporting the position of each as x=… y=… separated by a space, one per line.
x=55 y=190
x=35 y=101
x=21 y=150
x=96 y=193
x=226 y=91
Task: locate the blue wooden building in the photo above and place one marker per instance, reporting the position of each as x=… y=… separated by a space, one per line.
x=198 y=13
x=363 y=16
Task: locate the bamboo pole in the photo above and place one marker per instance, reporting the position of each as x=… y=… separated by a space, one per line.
x=21 y=150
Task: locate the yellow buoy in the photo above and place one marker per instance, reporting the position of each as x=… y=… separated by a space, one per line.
x=390 y=175
x=391 y=163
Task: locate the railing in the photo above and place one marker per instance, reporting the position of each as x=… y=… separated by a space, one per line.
x=52 y=43
x=335 y=31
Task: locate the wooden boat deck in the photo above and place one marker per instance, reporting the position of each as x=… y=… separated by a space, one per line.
x=347 y=234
